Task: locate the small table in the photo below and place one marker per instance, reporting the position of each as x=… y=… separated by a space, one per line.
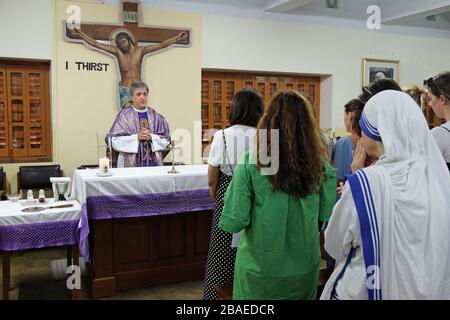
x=32 y=230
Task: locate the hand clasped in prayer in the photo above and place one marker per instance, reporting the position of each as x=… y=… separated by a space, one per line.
x=144 y=135
x=359 y=157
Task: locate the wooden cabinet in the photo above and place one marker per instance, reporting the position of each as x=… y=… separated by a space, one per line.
x=25 y=133
x=218 y=89
x=4 y=136
x=140 y=252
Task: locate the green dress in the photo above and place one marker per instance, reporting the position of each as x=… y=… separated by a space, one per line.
x=279 y=251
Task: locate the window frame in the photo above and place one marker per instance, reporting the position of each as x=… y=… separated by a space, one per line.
x=28 y=67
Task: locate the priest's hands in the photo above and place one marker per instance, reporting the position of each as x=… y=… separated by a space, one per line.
x=144 y=135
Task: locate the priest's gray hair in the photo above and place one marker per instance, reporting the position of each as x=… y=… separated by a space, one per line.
x=138 y=85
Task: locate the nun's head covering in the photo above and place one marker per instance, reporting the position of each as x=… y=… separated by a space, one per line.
x=392 y=117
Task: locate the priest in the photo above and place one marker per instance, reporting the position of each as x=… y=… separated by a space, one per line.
x=139 y=134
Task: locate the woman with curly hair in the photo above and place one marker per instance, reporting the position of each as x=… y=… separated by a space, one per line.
x=278 y=210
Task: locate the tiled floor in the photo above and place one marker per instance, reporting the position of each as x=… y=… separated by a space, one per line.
x=31 y=279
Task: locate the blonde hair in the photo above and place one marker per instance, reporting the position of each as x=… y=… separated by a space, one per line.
x=416 y=93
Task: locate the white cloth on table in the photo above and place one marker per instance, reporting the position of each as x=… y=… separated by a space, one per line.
x=406 y=195
x=11 y=212
x=139 y=180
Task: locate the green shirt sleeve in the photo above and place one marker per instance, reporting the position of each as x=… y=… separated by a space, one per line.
x=328 y=193
x=238 y=200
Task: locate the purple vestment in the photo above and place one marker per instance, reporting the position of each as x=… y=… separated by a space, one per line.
x=129 y=122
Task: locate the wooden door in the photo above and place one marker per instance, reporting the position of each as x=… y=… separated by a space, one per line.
x=218 y=89
x=313 y=91
x=4 y=132
x=289 y=83
x=27 y=109
x=233 y=84
x=206 y=111
x=17 y=111
x=37 y=112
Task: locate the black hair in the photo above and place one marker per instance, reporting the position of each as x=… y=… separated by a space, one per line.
x=246 y=108
x=376 y=87
x=121 y=35
x=356 y=106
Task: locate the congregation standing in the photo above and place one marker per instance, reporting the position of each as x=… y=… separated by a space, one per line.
x=387 y=200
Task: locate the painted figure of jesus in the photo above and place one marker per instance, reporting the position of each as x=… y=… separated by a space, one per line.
x=129 y=57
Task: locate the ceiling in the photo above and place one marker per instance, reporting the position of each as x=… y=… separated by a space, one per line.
x=414 y=13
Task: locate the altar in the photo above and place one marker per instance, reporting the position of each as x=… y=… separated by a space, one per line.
x=141 y=227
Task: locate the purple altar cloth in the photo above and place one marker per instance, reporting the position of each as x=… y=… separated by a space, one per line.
x=142 y=205
x=38 y=235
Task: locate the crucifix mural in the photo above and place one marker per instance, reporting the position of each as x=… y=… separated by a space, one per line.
x=128 y=43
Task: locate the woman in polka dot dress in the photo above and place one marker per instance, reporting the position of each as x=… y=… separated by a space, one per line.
x=227 y=148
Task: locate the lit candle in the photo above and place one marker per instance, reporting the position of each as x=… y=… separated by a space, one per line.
x=103 y=165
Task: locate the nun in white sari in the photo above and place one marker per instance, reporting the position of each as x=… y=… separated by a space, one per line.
x=390 y=231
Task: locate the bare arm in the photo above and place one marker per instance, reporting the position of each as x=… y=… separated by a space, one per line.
x=213 y=179
x=165 y=44
x=93 y=43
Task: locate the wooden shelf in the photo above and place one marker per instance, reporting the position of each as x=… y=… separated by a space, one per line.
x=218 y=88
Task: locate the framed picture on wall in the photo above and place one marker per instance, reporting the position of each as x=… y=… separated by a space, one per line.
x=374 y=69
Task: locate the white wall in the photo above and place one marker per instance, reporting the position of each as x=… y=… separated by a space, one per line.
x=26 y=29
x=269 y=45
